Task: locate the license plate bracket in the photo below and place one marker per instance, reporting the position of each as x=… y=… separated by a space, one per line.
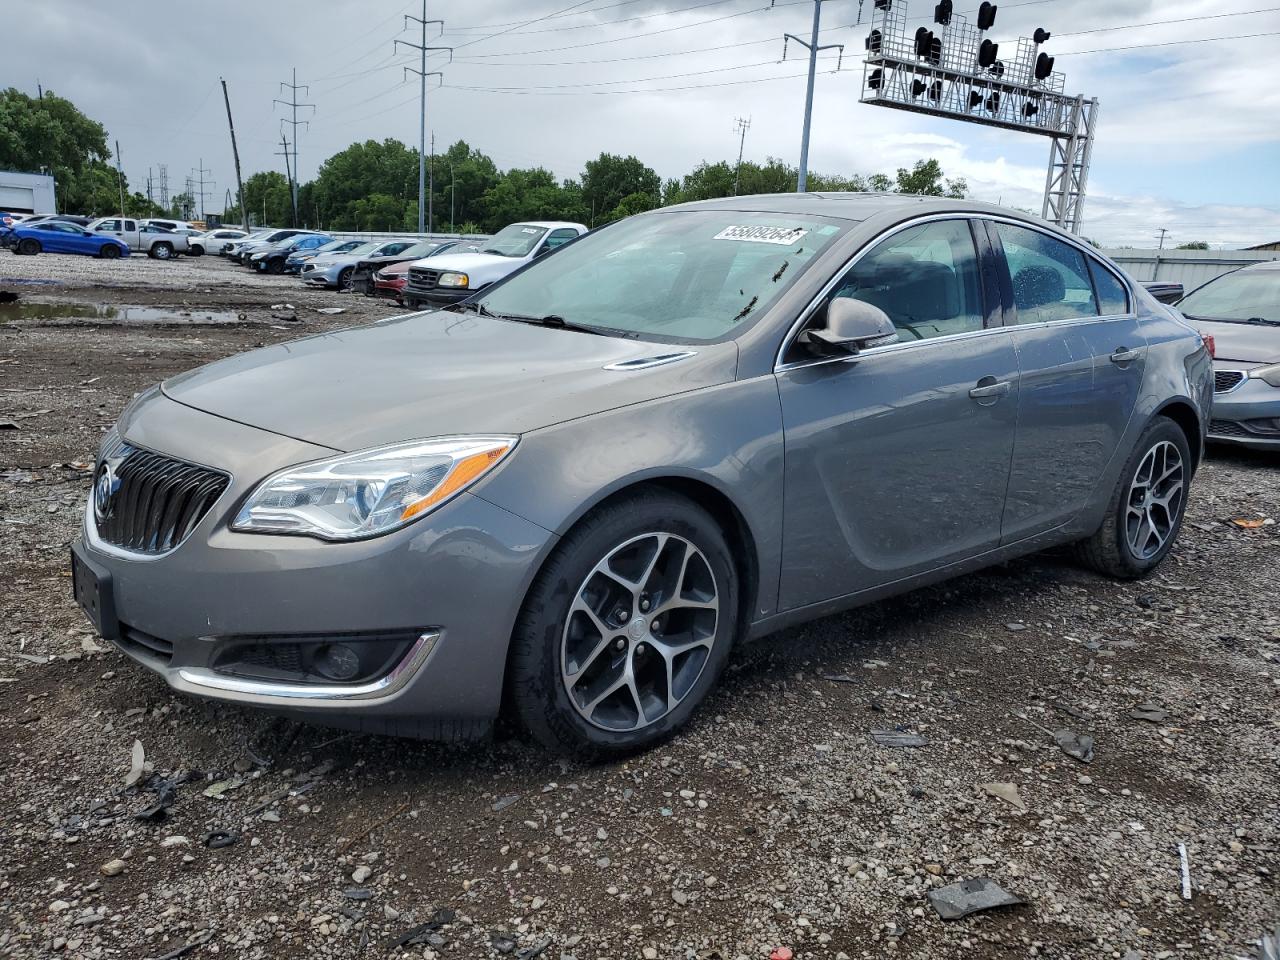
x=93 y=590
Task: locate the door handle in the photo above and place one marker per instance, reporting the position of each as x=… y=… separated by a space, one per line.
x=989 y=388
x=1125 y=355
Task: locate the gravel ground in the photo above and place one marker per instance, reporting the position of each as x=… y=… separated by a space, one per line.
x=774 y=820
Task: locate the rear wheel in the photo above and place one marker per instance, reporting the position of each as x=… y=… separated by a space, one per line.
x=109 y=251
x=1146 y=509
x=275 y=265
x=29 y=245
x=162 y=251
x=626 y=628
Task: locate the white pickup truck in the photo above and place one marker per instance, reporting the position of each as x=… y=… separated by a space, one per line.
x=142 y=237
x=451 y=277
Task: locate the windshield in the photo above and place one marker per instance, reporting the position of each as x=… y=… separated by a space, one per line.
x=365 y=247
x=1243 y=295
x=331 y=246
x=692 y=275
x=420 y=250
x=517 y=240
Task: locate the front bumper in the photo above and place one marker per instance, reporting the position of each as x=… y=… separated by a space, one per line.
x=323 y=277
x=393 y=289
x=1247 y=415
x=437 y=296
x=455 y=580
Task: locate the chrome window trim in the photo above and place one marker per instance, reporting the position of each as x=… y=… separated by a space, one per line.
x=779 y=365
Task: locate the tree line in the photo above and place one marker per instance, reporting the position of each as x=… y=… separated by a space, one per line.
x=373 y=185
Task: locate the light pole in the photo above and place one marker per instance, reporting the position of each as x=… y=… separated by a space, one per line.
x=813 y=48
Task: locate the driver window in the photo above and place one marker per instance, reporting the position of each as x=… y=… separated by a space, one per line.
x=925 y=278
x=559 y=237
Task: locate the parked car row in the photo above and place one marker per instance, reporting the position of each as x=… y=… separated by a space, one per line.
x=64 y=233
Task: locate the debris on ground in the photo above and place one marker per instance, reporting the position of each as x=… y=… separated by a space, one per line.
x=218 y=790
x=1008 y=792
x=1185 y=862
x=501 y=941
x=217 y=839
x=899 y=738
x=1076 y=745
x=137 y=764
x=499 y=805
x=1149 y=712
x=957 y=900
x=415 y=935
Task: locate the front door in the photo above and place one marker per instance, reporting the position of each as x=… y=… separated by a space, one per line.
x=1081 y=355
x=897 y=459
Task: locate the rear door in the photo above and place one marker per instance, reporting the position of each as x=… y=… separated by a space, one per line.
x=1080 y=369
x=897 y=459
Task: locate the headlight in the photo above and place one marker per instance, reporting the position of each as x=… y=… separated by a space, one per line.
x=452 y=280
x=1270 y=375
x=369 y=493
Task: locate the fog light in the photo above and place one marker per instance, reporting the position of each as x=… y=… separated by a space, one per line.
x=337 y=661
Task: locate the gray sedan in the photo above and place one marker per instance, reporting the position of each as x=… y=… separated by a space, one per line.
x=573 y=495
x=1241 y=311
x=336 y=269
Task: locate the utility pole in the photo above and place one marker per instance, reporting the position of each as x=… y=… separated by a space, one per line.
x=293 y=103
x=150 y=197
x=120 y=177
x=164 y=187
x=812 y=46
x=289 y=176
x=199 y=173
x=743 y=126
x=39 y=90
x=1163 y=231
x=244 y=216
x=431 y=185
x=422 y=73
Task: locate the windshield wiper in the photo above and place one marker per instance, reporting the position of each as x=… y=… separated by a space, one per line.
x=1257 y=321
x=550 y=320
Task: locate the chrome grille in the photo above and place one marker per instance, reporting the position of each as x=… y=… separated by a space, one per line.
x=1224 y=380
x=420 y=278
x=157 y=500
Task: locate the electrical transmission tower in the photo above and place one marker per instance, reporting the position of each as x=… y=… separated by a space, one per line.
x=422 y=73
x=164 y=186
x=812 y=46
x=742 y=127
x=294 y=104
x=199 y=174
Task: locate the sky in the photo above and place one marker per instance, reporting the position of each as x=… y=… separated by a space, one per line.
x=1188 y=136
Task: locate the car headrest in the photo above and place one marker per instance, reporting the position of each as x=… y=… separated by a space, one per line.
x=1036 y=286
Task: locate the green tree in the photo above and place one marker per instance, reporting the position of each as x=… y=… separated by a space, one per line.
x=925 y=178
x=609 y=179
x=268 y=199
x=1193 y=245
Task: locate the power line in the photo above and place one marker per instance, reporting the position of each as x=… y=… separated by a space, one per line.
x=1161 y=23
x=608 y=83
x=526 y=23
x=742 y=125
x=292 y=102
x=646 y=16
x=1171 y=43
x=424 y=216
x=605 y=93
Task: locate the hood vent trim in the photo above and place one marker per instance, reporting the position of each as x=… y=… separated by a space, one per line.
x=647 y=363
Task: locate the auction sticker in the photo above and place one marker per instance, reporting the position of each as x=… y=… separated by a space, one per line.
x=780 y=235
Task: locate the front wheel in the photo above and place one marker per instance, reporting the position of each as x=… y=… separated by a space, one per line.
x=162 y=251
x=110 y=252
x=626 y=628
x=344 y=279
x=195 y=250
x=1145 y=513
x=29 y=246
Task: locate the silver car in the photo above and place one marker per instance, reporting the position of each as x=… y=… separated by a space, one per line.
x=336 y=269
x=1241 y=312
x=573 y=495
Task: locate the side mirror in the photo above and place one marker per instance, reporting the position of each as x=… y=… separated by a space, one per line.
x=852 y=325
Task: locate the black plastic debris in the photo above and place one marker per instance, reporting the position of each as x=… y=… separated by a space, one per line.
x=166 y=797
x=414 y=935
x=505 y=802
x=1079 y=746
x=502 y=941
x=221 y=838
x=357 y=893
x=841 y=678
x=958 y=900
x=528 y=953
x=899 y=738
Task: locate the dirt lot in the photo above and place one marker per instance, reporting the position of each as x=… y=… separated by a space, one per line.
x=774 y=820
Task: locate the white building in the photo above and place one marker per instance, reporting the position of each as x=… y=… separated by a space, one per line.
x=26 y=193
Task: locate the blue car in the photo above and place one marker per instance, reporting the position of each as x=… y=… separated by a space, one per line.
x=59 y=236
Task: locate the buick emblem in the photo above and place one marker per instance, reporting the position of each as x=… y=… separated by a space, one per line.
x=105 y=486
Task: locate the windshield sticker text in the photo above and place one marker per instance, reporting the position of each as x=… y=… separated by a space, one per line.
x=784 y=236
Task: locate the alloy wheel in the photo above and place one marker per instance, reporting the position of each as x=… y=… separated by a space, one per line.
x=639 y=632
x=1155 y=500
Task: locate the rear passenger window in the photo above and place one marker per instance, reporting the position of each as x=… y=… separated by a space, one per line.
x=925 y=278
x=1112 y=296
x=1050 y=279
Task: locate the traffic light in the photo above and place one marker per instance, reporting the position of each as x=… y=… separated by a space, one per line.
x=1044 y=66
x=942 y=12
x=993 y=102
x=975 y=98
x=874 y=41
x=883 y=4
x=987 y=53
x=986 y=15
x=917 y=87
x=876 y=80
x=935 y=90
x=1040 y=36
x=924 y=40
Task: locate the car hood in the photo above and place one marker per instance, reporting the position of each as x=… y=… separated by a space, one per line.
x=439 y=374
x=1242 y=342
x=464 y=262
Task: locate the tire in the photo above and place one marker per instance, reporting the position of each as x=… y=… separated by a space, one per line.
x=109 y=251
x=195 y=250
x=558 y=646
x=1138 y=531
x=411 y=304
x=161 y=251
x=343 y=283
x=275 y=266
x=29 y=246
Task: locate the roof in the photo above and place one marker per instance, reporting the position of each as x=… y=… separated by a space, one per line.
x=1263 y=265
x=847 y=206
x=550 y=224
